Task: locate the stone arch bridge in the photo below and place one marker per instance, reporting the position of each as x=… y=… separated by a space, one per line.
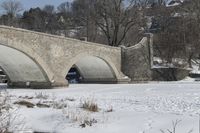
x=39 y=60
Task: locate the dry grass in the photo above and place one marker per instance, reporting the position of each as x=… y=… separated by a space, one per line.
x=26 y=97
x=59 y=105
x=41 y=95
x=88 y=123
x=10 y=120
x=42 y=105
x=83 y=118
x=90 y=105
x=25 y=103
x=110 y=109
x=70 y=99
x=4 y=113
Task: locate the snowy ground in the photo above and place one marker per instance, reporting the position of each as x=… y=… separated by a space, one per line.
x=137 y=108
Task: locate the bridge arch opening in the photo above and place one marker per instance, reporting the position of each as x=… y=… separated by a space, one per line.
x=91 y=69
x=21 y=70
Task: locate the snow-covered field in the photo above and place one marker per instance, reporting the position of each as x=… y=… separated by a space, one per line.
x=123 y=108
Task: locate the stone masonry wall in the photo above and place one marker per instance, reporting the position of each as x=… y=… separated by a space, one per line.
x=136 y=60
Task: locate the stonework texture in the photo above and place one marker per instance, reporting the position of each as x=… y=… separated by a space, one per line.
x=137 y=59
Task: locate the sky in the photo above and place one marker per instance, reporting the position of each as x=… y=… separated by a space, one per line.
x=27 y=4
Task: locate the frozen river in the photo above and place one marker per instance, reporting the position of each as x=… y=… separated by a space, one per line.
x=136 y=108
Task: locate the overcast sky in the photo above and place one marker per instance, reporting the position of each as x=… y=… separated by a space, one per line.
x=27 y=4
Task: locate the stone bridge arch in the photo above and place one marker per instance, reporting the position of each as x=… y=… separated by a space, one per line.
x=100 y=69
x=22 y=70
x=54 y=55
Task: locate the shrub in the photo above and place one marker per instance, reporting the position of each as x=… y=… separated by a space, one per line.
x=10 y=120
x=174 y=127
x=4 y=113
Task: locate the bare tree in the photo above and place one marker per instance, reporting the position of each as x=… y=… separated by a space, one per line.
x=82 y=10
x=12 y=7
x=50 y=9
x=64 y=7
x=109 y=21
x=115 y=18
